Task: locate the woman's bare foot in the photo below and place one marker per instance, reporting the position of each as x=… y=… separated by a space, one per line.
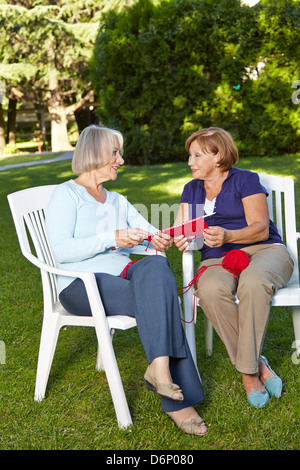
x=264 y=371
x=257 y=395
x=257 y=382
x=189 y=421
x=159 y=370
x=252 y=383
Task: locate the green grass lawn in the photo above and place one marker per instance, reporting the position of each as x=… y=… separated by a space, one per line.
x=77 y=412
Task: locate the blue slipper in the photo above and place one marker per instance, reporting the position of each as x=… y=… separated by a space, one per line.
x=258 y=399
x=273 y=384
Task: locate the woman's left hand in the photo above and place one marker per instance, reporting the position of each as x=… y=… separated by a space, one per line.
x=162 y=241
x=215 y=236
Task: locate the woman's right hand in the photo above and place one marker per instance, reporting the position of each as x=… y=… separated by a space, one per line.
x=129 y=237
x=182 y=243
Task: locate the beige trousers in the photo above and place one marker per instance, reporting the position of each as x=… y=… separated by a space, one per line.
x=242 y=326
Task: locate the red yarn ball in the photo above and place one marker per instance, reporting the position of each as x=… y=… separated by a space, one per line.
x=235 y=262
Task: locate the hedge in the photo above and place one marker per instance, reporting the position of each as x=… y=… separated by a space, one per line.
x=162 y=70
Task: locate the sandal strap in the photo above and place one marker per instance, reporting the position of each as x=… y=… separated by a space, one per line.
x=192 y=426
x=189 y=427
x=164 y=389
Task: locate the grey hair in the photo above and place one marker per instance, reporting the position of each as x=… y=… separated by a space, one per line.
x=94 y=148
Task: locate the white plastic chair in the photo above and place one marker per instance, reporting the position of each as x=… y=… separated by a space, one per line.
x=281 y=203
x=27 y=207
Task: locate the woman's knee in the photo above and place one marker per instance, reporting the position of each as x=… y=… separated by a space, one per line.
x=151 y=268
x=254 y=283
x=158 y=260
x=213 y=289
x=156 y=263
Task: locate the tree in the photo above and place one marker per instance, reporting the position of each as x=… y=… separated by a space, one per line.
x=162 y=70
x=270 y=120
x=45 y=51
x=2 y=133
x=165 y=69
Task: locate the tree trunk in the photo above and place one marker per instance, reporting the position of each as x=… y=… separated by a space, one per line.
x=2 y=131
x=59 y=128
x=43 y=130
x=11 y=121
x=58 y=115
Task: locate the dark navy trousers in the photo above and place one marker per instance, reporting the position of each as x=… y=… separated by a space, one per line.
x=148 y=293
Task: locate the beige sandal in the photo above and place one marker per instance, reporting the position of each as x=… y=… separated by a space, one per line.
x=164 y=390
x=190 y=426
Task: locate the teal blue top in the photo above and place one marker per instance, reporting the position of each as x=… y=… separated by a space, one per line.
x=81 y=230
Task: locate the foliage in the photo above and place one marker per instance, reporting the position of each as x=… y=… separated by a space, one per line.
x=65 y=28
x=44 y=60
x=270 y=119
x=35 y=34
x=44 y=51
x=162 y=70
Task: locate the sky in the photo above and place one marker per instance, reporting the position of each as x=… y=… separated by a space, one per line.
x=250 y=2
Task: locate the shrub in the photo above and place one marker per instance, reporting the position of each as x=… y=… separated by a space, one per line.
x=163 y=70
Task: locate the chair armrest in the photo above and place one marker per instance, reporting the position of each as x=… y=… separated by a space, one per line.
x=143 y=250
x=90 y=283
x=86 y=277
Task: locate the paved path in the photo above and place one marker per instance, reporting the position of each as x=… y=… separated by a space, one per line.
x=64 y=156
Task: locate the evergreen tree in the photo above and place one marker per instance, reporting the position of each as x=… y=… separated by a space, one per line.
x=45 y=46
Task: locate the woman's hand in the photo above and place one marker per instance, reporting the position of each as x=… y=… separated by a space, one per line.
x=215 y=236
x=162 y=241
x=130 y=237
x=182 y=243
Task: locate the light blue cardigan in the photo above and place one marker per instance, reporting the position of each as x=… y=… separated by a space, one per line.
x=81 y=230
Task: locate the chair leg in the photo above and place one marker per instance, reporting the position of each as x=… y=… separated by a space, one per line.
x=99 y=362
x=190 y=336
x=209 y=332
x=114 y=381
x=108 y=355
x=50 y=331
x=296 y=322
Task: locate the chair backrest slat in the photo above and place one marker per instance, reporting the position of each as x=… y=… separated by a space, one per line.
x=279 y=214
x=35 y=222
x=281 y=203
x=28 y=210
